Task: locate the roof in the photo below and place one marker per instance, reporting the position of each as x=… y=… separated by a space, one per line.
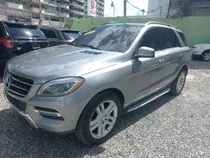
x=48 y=27
x=126 y=24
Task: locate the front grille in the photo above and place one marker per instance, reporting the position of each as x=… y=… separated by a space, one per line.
x=17 y=85
x=18 y=104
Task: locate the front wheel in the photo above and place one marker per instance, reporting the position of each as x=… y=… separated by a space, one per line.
x=99 y=118
x=178 y=84
x=206 y=56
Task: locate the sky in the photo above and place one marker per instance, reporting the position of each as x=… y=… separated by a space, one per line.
x=131 y=11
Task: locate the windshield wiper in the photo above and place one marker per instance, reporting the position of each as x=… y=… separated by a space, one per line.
x=89 y=46
x=83 y=45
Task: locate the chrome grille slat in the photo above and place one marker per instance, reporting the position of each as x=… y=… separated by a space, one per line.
x=21 y=81
x=19 y=87
x=16 y=93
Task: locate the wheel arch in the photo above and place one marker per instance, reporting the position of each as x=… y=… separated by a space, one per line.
x=207 y=50
x=185 y=67
x=116 y=91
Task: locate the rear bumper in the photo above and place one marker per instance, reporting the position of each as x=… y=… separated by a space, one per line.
x=196 y=56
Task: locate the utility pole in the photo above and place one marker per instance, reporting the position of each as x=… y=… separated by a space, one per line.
x=125 y=7
x=160 y=11
x=40 y=13
x=113 y=6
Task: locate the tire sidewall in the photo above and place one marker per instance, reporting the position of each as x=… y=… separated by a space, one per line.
x=90 y=108
x=173 y=90
x=204 y=55
x=183 y=71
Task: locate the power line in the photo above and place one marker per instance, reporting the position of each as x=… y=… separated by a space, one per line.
x=142 y=10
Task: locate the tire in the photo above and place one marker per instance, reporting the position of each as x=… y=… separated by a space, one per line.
x=206 y=56
x=178 y=84
x=90 y=115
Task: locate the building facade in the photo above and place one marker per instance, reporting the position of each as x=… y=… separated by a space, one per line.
x=48 y=12
x=45 y=12
x=158 y=8
x=81 y=8
x=180 y=8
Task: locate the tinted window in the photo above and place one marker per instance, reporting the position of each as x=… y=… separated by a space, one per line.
x=151 y=39
x=49 y=33
x=110 y=37
x=2 y=30
x=168 y=38
x=24 y=31
x=70 y=35
x=183 y=38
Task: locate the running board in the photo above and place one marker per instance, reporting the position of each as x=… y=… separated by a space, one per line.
x=147 y=100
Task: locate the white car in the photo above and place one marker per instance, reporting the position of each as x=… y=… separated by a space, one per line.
x=202 y=51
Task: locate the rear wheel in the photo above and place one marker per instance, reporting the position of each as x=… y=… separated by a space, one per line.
x=99 y=118
x=178 y=84
x=206 y=56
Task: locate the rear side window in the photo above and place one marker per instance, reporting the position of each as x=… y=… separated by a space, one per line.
x=183 y=38
x=2 y=30
x=49 y=33
x=25 y=32
x=70 y=35
x=168 y=38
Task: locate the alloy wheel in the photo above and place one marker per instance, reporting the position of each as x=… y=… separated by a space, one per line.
x=181 y=82
x=103 y=119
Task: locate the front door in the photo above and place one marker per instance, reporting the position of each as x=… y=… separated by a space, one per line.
x=148 y=73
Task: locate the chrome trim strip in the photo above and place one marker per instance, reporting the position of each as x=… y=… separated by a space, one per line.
x=21 y=81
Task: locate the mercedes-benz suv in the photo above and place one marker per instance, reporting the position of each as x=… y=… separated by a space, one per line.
x=85 y=87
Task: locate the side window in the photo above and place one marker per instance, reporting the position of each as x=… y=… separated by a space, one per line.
x=183 y=38
x=151 y=39
x=2 y=32
x=169 y=39
x=49 y=33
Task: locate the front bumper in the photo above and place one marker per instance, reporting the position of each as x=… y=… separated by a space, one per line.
x=53 y=114
x=21 y=113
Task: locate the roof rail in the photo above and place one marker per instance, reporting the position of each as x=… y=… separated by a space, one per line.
x=161 y=23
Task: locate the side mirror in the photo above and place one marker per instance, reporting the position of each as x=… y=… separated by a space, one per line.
x=145 y=52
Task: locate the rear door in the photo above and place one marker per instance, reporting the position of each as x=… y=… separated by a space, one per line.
x=173 y=50
x=26 y=38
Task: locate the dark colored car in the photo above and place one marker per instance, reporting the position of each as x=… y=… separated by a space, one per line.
x=70 y=35
x=19 y=38
x=54 y=36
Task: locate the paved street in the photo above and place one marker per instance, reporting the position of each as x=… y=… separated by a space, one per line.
x=167 y=127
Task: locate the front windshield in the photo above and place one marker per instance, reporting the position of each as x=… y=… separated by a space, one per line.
x=109 y=37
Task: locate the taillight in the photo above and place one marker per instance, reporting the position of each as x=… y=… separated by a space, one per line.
x=191 y=55
x=65 y=42
x=8 y=42
x=48 y=44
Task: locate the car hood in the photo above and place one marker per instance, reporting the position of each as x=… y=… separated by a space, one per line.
x=61 y=61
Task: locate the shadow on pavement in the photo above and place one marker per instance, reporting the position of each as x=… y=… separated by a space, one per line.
x=1 y=74
x=199 y=65
x=17 y=138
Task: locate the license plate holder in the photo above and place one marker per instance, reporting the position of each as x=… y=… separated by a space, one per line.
x=36 y=45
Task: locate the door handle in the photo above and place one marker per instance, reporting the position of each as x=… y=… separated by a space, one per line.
x=181 y=54
x=161 y=61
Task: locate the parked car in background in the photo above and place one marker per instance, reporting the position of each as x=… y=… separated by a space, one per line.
x=85 y=86
x=18 y=38
x=202 y=51
x=70 y=35
x=54 y=36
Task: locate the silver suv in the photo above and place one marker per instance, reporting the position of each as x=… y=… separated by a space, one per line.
x=85 y=86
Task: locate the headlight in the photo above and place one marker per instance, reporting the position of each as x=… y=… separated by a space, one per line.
x=60 y=87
